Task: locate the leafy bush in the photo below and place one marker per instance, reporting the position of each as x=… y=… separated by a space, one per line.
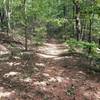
x=74 y=44
x=40 y=35
x=58 y=22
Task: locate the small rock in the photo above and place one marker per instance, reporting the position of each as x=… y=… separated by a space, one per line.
x=67 y=78
x=60 y=79
x=46 y=75
x=6 y=94
x=43 y=83
x=36 y=69
x=3 y=48
x=10 y=63
x=27 y=80
x=52 y=79
x=97 y=95
x=11 y=74
x=40 y=64
x=87 y=95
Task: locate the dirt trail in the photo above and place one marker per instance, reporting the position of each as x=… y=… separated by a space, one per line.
x=66 y=80
x=52 y=50
x=55 y=76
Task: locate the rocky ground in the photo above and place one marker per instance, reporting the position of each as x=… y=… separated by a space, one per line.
x=52 y=75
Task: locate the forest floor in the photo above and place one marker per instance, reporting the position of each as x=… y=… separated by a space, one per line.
x=54 y=76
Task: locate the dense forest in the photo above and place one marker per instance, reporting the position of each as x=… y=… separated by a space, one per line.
x=49 y=49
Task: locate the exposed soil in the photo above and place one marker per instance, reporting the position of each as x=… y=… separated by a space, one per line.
x=53 y=75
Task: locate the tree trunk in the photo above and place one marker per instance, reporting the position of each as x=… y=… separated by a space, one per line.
x=89 y=37
x=73 y=19
x=2 y=16
x=99 y=43
x=78 y=23
x=64 y=13
x=83 y=32
x=25 y=27
x=26 y=41
x=8 y=14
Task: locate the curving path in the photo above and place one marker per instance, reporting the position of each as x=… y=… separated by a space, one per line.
x=55 y=76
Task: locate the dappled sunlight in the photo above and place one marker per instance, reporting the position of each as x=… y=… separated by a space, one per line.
x=3 y=52
x=17 y=76
x=45 y=56
x=3 y=48
x=17 y=57
x=13 y=63
x=42 y=83
x=60 y=79
x=46 y=75
x=52 y=49
x=40 y=64
x=65 y=57
x=10 y=63
x=11 y=74
x=98 y=50
x=50 y=80
x=50 y=44
x=16 y=64
x=97 y=95
x=55 y=73
x=55 y=45
x=81 y=72
x=28 y=80
x=4 y=93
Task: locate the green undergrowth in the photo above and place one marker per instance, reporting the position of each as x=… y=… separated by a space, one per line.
x=82 y=47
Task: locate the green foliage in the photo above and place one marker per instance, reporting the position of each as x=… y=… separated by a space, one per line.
x=73 y=44
x=57 y=22
x=13 y=45
x=40 y=29
x=52 y=11
x=71 y=91
x=40 y=35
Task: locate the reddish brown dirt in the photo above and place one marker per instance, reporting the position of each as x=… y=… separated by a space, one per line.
x=52 y=78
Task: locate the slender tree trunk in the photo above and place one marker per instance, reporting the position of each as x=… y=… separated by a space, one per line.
x=83 y=26
x=2 y=16
x=73 y=19
x=83 y=33
x=89 y=37
x=25 y=27
x=78 y=23
x=64 y=12
x=7 y=14
x=9 y=18
x=26 y=38
x=99 y=43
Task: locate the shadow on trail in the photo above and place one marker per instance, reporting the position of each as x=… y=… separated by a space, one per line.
x=55 y=74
